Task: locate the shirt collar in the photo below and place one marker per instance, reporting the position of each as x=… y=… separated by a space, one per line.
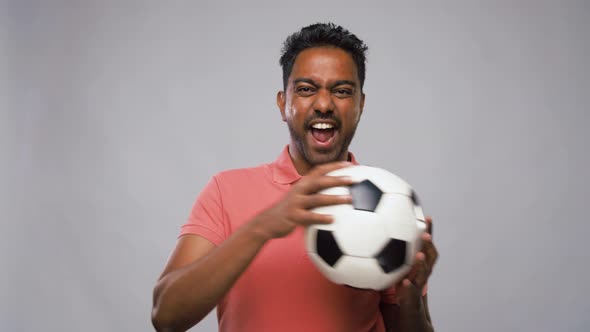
x=284 y=172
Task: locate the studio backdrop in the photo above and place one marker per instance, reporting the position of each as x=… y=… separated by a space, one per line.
x=114 y=115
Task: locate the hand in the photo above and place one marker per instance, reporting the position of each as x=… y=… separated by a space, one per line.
x=293 y=210
x=409 y=290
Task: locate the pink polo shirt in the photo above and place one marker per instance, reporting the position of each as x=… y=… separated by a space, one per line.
x=281 y=290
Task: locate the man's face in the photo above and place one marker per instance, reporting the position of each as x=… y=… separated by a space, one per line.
x=322 y=104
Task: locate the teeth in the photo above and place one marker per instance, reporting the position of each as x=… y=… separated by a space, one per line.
x=322 y=126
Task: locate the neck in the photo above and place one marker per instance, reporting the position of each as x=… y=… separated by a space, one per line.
x=302 y=165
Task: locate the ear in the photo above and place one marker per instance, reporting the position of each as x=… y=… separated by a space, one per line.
x=362 y=103
x=281 y=100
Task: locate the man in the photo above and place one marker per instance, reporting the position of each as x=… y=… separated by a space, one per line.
x=242 y=248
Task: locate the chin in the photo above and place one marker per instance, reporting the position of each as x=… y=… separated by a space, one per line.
x=318 y=158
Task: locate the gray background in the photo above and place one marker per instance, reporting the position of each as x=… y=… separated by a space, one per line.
x=114 y=114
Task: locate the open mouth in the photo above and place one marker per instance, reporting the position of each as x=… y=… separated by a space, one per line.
x=323 y=133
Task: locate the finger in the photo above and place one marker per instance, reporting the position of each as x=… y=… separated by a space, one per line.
x=328 y=167
x=408 y=295
x=315 y=184
x=422 y=270
x=429 y=250
x=412 y=274
x=306 y=218
x=317 y=200
x=428 y=220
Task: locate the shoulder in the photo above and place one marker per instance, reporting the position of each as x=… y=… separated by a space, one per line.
x=238 y=176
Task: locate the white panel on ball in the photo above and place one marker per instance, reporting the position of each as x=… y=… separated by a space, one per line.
x=364 y=273
x=419 y=213
x=399 y=207
x=360 y=233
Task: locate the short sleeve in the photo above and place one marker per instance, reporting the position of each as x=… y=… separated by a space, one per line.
x=207 y=217
x=388 y=295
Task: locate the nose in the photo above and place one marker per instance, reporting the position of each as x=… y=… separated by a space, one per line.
x=323 y=102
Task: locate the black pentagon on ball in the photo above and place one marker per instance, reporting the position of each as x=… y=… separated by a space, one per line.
x=365 y=196
x=414 y=198
x=327 y=247
x=392 y=256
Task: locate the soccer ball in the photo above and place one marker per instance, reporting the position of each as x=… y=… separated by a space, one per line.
x=372 y=242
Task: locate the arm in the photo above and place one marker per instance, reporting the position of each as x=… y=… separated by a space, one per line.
x=198 y=274
x=408 y=320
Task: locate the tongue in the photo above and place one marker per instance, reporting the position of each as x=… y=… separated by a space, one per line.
x=322 y=135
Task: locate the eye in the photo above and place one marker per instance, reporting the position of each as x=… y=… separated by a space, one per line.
x=305 y=90
x=342 y=92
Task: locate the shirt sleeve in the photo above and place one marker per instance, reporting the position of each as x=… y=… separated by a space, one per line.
x=388 y=295
x=208 y=218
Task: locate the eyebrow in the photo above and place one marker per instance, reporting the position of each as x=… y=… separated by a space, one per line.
x=310 y=81
x=345 y=82
x=304 y=80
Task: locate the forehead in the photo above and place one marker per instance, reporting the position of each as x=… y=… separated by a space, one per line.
x=324 y=64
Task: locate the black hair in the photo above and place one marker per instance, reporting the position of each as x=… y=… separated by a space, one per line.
x=318 y=35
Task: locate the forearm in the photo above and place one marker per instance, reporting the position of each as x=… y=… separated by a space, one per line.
x=185 y=296
x=413 y=318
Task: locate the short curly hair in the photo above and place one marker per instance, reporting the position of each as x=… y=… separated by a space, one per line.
x=318 y=35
